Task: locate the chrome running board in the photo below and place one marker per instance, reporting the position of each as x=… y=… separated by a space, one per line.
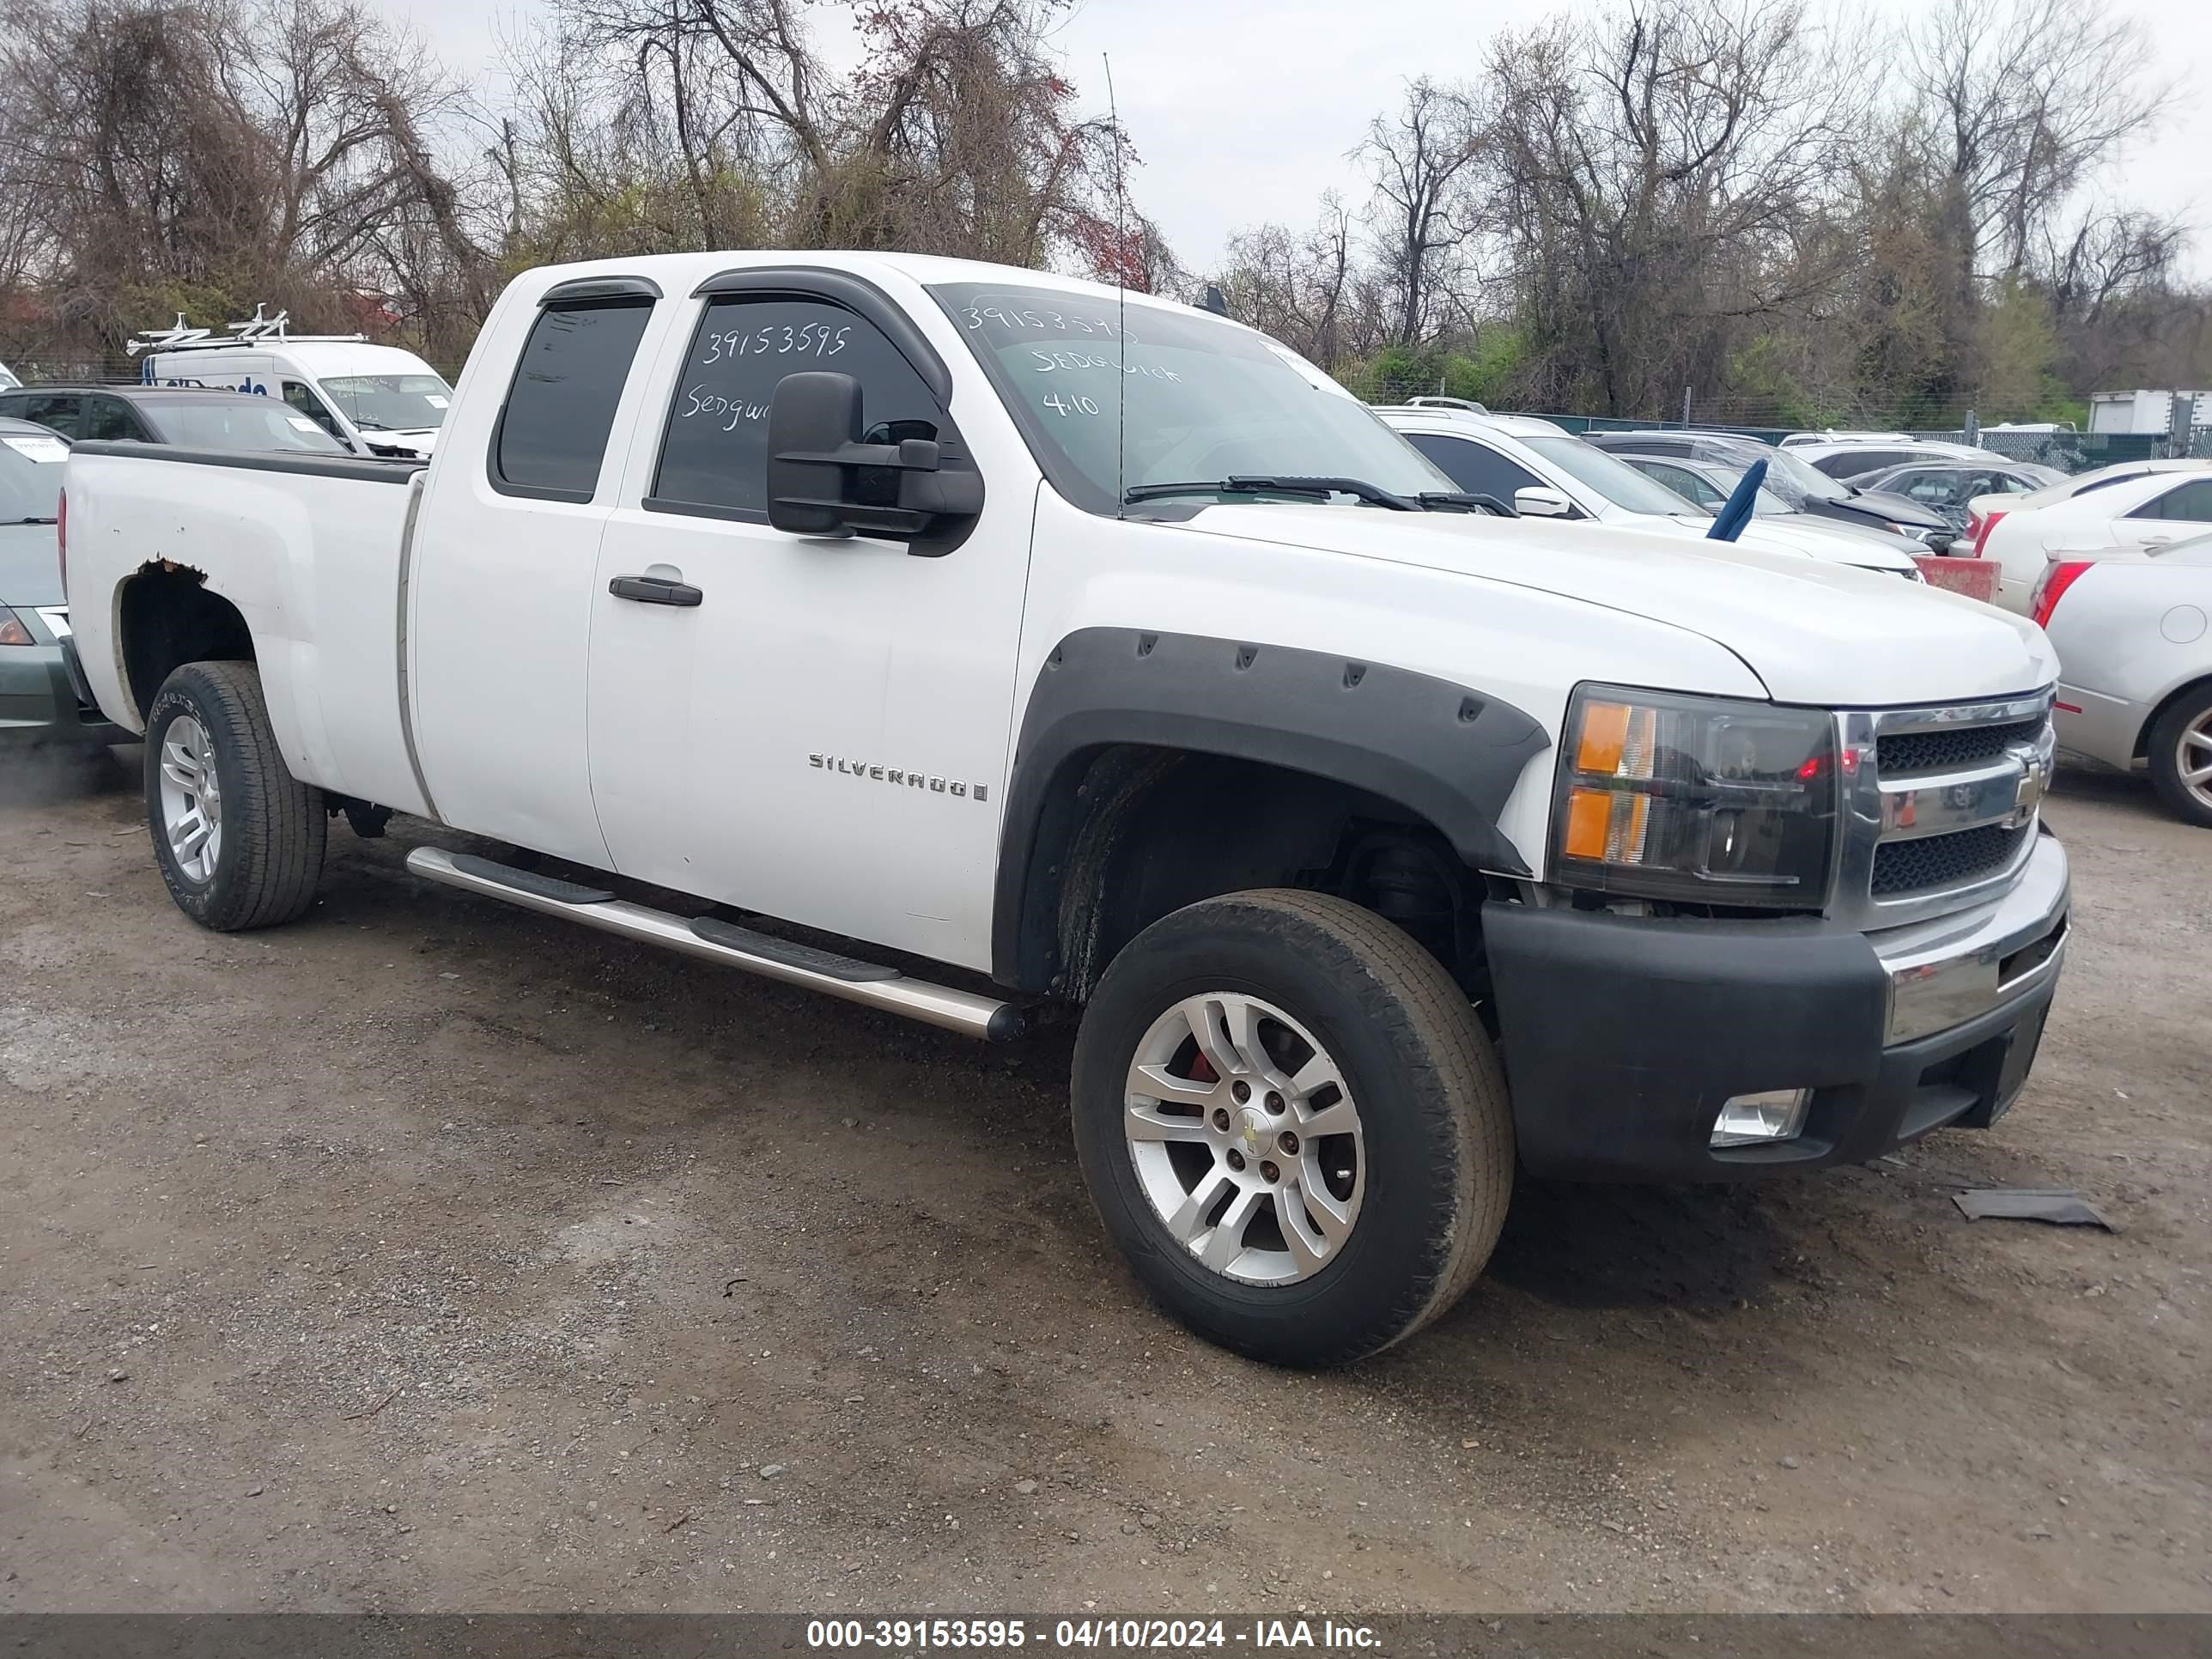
x=731 y=946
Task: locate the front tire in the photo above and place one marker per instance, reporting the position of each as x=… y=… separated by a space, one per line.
x=239 y=838
x=2179 y=747
x=1293 y=1125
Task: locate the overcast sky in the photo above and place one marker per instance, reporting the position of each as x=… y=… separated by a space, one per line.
x=1245 y=112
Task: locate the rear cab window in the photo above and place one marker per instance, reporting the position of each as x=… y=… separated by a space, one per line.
x=553 y=430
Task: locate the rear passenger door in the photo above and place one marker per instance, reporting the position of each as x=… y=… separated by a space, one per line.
x=501 y=581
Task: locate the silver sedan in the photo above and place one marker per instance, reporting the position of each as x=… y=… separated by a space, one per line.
x=2134 y=636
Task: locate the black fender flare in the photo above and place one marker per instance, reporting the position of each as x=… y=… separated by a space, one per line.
x=1448 y=751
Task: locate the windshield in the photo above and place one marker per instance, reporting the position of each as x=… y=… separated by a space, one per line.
x=1206 y=399
x=1611 y=476
x=391 y=402
x=30 y=475
x=244 y=424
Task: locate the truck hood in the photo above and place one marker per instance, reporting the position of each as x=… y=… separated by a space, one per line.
x=1805 y=538
x=1814 y=632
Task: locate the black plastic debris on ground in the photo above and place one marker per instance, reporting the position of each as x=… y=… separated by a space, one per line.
x=2061 y=1205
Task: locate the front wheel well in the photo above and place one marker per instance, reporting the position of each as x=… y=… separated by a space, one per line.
x=167 y=619
x=1130 y=833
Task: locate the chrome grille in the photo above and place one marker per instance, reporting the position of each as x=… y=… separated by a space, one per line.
x=1921 y=751
x=1905 y=866
x=1939 y=806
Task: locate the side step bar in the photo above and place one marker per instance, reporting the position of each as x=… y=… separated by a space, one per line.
x=733 y=946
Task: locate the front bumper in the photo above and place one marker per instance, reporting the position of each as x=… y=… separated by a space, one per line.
x=1622 y=1037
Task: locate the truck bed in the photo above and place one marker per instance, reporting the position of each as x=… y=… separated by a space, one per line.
x=309 y=550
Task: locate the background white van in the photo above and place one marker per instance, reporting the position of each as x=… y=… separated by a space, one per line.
x=375 y=399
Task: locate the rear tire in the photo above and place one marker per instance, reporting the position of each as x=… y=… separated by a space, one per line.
x=1299 y=1249
x=2180 y=742
x=239 y=838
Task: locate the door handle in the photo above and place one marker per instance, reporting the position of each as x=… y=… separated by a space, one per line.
x=654 y=590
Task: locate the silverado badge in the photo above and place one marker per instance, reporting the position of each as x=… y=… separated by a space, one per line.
x=931 y=781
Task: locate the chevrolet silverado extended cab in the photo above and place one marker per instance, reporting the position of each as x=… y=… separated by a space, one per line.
x=1109 y=654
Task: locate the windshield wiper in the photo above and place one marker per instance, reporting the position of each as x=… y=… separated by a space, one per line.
x=34 y=521
x=1465 y=501
x=1262 y=484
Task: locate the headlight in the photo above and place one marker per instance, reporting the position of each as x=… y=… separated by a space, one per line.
x=1696 y=799
x=12 y=630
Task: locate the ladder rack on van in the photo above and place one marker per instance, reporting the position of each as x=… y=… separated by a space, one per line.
x=255 y=330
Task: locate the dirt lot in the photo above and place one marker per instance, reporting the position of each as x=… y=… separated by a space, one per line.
x=430 y=1254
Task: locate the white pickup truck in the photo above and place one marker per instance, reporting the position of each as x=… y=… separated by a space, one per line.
x=1108 y=654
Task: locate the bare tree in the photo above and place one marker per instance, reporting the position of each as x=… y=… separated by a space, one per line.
x=1420 y=160
x=1301 y=288
x=954 y=135
x=1659 y=178
x=212 y=155
x=2019 y=102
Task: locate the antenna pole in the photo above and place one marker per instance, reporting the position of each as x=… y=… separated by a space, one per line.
x=1121 y=300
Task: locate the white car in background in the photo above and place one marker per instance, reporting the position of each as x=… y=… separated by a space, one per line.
x=1543 y=471
x=2129 y=509
x=1848 y=454
x=2134 y=634
x=8 y=378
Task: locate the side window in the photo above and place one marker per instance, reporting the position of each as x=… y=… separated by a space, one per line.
x=60 y=412
x=1853 y=462
x=302 y=398
x=109 y=419
x=1475 y=468
x=1682 y=482
x=560 y=407
x=714 y=456
x=2011 y=483
x=2191 y=502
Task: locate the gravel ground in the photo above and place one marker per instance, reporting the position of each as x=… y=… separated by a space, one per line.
x=430 y=1254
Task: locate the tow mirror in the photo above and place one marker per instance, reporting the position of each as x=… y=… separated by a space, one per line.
x=823 y=480
x=1542 y=503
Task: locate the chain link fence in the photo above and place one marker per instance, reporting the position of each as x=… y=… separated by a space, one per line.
x=2066 y=450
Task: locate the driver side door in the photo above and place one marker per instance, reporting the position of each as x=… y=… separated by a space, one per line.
x=815 y=728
